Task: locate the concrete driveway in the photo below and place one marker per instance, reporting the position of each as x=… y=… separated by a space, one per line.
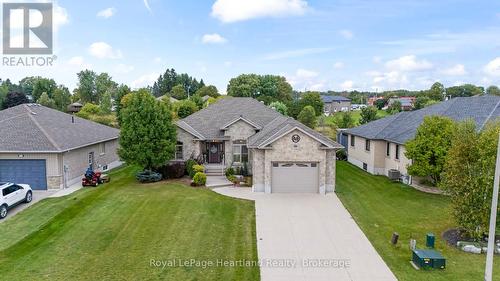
x=37 y=196
x=310 y=237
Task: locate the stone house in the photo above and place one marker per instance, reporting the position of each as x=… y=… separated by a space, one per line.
x=281 y=153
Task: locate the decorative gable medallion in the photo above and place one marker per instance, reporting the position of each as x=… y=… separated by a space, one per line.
x=295 y=138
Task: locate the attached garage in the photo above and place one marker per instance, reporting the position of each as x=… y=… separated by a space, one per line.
x=32 y=172
x=295 y=177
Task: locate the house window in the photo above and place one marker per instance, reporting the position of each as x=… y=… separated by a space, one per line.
x=91 y=160
x=353 y=140
x=388 y=149
x=397 y=151
x=365 y=166
x=240 y=153
x=367 y=145
x=179 y=155
x=102 y=148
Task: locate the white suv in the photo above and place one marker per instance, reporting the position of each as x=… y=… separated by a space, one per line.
x=13 y=194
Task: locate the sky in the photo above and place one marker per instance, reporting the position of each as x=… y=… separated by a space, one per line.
x=316 y=45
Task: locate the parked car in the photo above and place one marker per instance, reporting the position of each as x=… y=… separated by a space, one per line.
x=13 y=194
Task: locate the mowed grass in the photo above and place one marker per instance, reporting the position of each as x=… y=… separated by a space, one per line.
x=381 y=207
x=113 y=232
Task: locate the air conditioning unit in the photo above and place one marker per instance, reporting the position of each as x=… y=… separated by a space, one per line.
x=394 y=174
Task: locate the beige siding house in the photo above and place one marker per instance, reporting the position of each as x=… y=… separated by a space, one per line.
x=282 y=154
x=379 y=146
x=49 y=149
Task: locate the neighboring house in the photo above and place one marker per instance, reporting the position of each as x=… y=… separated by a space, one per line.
x=372 y=100
x=379 y=146
x=49 y=149
x=282 y=154
x=407 y=103
x=172 y=100
x=335 y=104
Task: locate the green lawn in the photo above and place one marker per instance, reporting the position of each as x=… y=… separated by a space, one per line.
x=113 y=232
x=356 y=115
x=381 y=207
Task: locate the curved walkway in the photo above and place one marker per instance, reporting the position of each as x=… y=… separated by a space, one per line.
x=310 y=237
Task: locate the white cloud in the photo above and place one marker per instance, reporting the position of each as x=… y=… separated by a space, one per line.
x=391 y=77
x=304 y=73
x=338 y=65
x=106 y=13
x=124 y=68
x=347 y=34
x=144 y=80
x=213 y=38
x=456 y=70
x=76 y=60
x=103 y=50
x=347 y=85
x=146 y=4
x=296 y=53
x=157 y=60
x=377 y=59
x=239 y=10
x=408 y=63
x=493 y=67
x=228 y=63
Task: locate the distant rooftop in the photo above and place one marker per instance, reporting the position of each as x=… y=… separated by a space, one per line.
x=402 y=127
x=328 y=99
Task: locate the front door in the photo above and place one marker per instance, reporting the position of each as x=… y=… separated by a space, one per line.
x=215 y=150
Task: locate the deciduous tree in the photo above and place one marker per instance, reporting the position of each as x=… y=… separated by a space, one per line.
x=14 y=98
x=308 y=117
x=147 y=135
x=280 y=107
x=469 y=173
x=368 y=114
x=429 y=147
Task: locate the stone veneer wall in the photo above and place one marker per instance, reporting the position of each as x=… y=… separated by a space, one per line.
x=190 y=147
x=284 y=150
x=240 y=130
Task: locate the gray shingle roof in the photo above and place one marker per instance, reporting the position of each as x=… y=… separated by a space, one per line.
x=209 y=121
x=206 y=124
x=282 y=125
x=327 y=99
x=402 y=127
x=35 y=128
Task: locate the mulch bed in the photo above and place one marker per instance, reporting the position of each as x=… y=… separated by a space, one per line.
x=453 y=235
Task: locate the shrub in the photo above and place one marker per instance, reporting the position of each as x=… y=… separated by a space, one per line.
x=341 y=155
x=232 y=178
x=198 y=168
x=148 y=176
x=189 y=167
x=173 y=170
x=199 y=179
x=229 y=172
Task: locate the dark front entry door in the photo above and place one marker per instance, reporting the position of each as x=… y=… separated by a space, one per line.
x=215 y=151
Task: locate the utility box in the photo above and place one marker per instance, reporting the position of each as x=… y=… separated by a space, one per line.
x=430 y=239
x=428 y=259
x=394 y=174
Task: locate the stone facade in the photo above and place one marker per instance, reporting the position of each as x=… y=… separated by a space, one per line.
x=190 y=146
x=239 y=131
x=284 y=150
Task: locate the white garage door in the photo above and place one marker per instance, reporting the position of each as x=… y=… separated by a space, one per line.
x=295 y=177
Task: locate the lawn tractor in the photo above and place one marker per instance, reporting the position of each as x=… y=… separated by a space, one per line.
x=94 y=178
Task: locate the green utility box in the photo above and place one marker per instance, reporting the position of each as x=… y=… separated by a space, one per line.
x=428 y=259
x=430 y=240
